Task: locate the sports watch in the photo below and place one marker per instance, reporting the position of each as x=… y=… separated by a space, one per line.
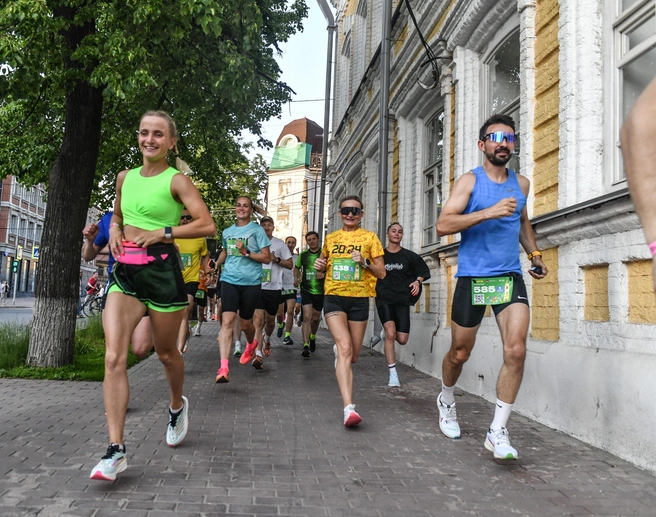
x=168 y=232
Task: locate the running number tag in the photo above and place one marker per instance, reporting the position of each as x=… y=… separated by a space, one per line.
x=310 y=273
x=346 y=269
x=231 y=247
x=186 y=260
x=200 y=294
x=266 y=275
x=491 y=291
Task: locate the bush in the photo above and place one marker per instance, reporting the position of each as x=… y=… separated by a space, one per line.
x=88 y=362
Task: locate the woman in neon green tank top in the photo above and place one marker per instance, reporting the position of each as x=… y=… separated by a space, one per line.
x=147 y=275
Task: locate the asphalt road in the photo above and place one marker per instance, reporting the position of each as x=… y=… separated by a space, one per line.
x=19 y=315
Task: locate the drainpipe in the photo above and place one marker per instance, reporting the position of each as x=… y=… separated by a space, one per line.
x=330 y=19
x=383 y=139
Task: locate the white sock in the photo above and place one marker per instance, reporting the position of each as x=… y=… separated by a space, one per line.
x=392 y=368
x=448 y=397
x=237 y=343
x=258 y=353
x=501 y=415
x=199 y=324
x=267 y=338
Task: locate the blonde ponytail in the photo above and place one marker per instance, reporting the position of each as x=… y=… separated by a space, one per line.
x=180 y=164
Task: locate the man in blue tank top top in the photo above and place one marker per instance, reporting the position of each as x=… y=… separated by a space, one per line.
x=488 y=208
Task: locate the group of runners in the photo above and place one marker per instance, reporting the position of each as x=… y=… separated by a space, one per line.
x=162 y=264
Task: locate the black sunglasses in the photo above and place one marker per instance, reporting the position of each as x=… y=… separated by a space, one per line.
x=187 y=217
x=354 y=210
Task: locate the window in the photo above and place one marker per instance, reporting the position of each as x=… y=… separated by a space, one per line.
x=433 y=177
x=634 y=41
x=22 y=227
x=39 y=230
x=30 y=230
x=503 y=81
x=13 y=228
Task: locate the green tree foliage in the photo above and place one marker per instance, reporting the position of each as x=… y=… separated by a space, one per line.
x=76 y=75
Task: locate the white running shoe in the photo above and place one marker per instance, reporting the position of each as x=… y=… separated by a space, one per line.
x=197 y=330
x=351 y=418
x=448 y=419
x=112 y=463
x=237 y=352
x=498 y=442
x=335 y=352
x=178 y=424
x=394 y=380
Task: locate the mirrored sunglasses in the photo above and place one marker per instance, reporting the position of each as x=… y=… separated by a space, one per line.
x=499 y=136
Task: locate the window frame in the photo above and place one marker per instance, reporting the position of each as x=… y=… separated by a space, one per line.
x=617 y=34
x=437 y=169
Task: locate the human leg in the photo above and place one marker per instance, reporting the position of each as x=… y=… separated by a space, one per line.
x=142 y=338
x=183 y=331
x=258 y=324
x=306 y=329
x=229 y=320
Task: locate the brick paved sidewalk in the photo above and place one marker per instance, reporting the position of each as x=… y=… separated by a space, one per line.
x=271 y=442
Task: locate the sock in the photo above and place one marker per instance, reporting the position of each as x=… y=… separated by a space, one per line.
x=120 y=446
x=313 y=336
x=392 y=368
x=287 y=334
x=448 y=395
x=175 y=411
x=199 y=324
x=267 y=338
x=258 y=353
x=281 y=324
x=501 y=414
x=237 y=344
x=306 y=345
x=224 y=363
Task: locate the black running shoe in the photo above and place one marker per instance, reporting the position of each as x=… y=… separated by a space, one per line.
x=313 y=345
x=306 y=351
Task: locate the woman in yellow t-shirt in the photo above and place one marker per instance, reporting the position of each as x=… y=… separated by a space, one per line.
x=353 y=260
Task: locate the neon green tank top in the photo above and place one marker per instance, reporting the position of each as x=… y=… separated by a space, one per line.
x=147 y=203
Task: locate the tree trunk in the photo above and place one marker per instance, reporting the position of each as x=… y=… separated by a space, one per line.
x=71 y=178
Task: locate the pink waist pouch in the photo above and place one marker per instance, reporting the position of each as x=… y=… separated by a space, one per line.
x=134 y=255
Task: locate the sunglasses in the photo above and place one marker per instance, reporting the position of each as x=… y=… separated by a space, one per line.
x=353 y=210
x=187 y=217
x=499 y=136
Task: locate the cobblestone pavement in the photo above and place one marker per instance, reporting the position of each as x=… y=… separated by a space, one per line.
x=271 y=442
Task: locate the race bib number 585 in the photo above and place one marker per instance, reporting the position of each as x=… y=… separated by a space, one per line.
x=491 y=291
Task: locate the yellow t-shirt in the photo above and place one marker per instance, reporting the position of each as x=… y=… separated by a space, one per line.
x=343 y=276
x=191 y=251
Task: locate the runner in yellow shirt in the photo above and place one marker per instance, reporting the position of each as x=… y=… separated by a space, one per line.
x=353 y=260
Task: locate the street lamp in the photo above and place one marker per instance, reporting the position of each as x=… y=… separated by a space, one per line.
x=330 y=19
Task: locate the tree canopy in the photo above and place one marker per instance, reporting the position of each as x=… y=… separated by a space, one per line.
x=209 y=63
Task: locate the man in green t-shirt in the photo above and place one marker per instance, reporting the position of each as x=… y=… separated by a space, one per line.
x=311 y=282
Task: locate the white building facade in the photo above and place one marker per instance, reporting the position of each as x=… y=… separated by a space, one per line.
x=568 y=72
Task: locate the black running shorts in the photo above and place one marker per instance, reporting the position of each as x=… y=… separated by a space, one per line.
x=158 y=284
x=356 y=309
x=316 y=300
x=399 y=314
x=240 y=298
x=467 y=315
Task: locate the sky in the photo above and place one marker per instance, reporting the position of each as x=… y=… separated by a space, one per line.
x=303 y=66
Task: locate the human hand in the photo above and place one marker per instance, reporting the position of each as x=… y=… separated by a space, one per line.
x=504 y=208
x=116 y=240
x=147 y=237
x=320 y=264
x=357 y=257
x=537 y=262
x=414 y=287
x=90 y=231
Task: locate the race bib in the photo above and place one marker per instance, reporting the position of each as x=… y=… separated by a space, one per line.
x=186 y=259
x=231 y=247
x=200 y=294
x=491 y=291
x=346 y=270
x=266 y=275
x=288 y=291
x=310 y=274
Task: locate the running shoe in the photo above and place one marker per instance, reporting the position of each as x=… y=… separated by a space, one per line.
x=306 y=351
x=448 y=419
x=222 y=375
x=313 y=345
x=287 y=341
x=497 y=441
x=351 y=418
x=248 y=354
x=258 y=362
x=299 y=320
x=335 y=352
x=237 y=352
x=113 y=462
x=197 y=330
x=394 y=380
x=178 y=424
x=281 y=326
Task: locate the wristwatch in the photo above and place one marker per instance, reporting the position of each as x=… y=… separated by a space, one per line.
x=367 y=263
x=248 y=252
x=168 y=232
x=277 y=260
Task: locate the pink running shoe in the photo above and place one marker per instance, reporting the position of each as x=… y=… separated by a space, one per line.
x=248 y=354
x=351 y=418
x=222 y=375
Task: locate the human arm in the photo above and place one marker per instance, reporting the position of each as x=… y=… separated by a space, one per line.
x=116 y=222
x=452 y=220
x=420 y=271
x=89 y=249
x=286 y=260
x=528 y=242
x=263 y=256
x=222 y=258
x=637 y=141
x=297 y=276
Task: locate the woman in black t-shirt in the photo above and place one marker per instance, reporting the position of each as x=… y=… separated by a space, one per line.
x=399 y=290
